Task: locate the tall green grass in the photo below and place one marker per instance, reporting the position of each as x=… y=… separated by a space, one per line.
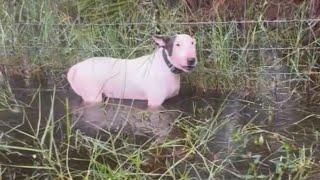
x=60 y=33
x=232 y=57
x=52 y=147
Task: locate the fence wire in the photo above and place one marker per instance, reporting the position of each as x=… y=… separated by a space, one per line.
x=315 y=20
x=255 y=72
x=144 y=48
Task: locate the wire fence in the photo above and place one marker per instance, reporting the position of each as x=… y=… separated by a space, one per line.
x=144 y=48
x=303 y=75
x=312 y=20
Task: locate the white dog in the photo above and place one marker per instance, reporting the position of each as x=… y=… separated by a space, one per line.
x=154 y=77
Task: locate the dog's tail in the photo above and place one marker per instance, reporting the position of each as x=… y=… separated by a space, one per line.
x=71 y=78
x=70 y=74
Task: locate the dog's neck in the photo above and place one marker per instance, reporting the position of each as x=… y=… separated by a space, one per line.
x=171 y=67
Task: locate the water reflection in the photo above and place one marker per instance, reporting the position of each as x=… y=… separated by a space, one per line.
x=126 y=117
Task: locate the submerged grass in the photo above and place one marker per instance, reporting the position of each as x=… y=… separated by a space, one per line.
x=212 y=145
x=257 y=58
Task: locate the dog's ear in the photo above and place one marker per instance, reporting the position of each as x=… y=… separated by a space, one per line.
x=161 y=41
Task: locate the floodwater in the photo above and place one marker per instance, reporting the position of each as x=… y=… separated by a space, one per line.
x=273 y=109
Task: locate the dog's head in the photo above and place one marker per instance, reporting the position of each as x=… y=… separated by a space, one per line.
x=181 y=50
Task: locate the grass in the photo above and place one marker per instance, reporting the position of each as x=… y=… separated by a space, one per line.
x=58 y=34
x=224 y=137
x=55 y=148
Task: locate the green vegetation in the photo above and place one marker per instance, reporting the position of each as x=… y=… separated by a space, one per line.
x=57 y=34
x=251 y=59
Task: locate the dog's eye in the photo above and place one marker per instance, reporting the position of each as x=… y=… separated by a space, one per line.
x=192 y=43
x=178 y=45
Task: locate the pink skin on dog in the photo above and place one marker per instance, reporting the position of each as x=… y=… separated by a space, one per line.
x=145 y=78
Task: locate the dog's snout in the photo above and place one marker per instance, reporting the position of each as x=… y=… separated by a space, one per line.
x=191 y=61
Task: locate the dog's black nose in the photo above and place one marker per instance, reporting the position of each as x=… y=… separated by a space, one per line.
x=191 y=61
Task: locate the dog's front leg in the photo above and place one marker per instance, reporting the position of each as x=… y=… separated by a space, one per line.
x=155 y=103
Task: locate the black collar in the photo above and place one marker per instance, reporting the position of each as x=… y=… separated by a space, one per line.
x=172 y=68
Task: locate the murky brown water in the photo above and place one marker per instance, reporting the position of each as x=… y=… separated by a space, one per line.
x=290 y=117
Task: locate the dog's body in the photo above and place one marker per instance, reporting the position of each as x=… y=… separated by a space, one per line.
x=124 y=79
x=144 y=78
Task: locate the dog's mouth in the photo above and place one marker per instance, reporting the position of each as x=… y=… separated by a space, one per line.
x=188 y=68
